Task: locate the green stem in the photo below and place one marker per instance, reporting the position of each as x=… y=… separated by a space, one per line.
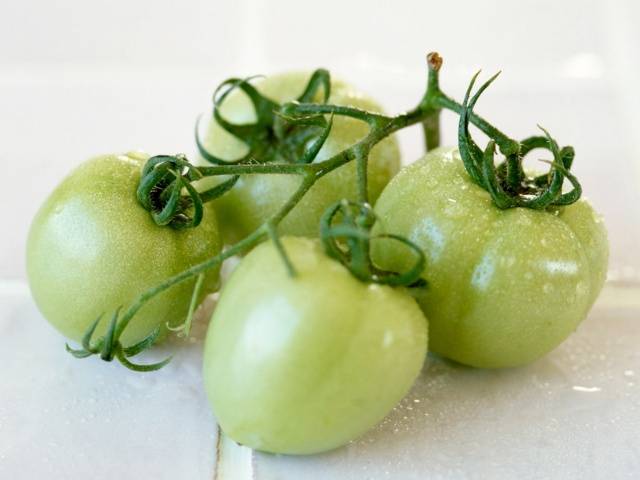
x=506 y=144
x=323 y=108
x=275 y=238
x=427 y=113
x=186 y=328
x=307 y=182
x=431 y=129
x=515 y=171
x=362 y=161
x=429 y=105
x=257 y=168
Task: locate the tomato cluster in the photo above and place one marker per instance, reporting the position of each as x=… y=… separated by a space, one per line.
x=301 y=356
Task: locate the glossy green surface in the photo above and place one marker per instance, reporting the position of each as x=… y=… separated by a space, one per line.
x=505 y=286
x=302 y=365
x=93 y=248
x=257 y=196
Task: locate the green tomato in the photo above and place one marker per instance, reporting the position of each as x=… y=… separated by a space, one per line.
x=305 y=364
x=92 y=248
x=505 y=286
x=255 y=197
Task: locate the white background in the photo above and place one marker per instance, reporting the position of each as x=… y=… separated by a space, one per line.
x=85 y=77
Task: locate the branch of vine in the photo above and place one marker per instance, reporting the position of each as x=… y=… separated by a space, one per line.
x=381 y=126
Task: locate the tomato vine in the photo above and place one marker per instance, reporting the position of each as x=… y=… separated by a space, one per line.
x=285 y=139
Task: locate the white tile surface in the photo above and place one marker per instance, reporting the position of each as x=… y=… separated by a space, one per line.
x=573 y=414
x=63 y=418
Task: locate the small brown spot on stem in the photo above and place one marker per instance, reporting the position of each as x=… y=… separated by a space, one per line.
x=434 y=60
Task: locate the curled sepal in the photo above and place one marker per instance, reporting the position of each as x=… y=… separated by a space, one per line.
x=109 y=347
x=88 y=348
x=345 y=231
x=313 y=147
x=490 y=178
x=574 y=194
x=274 y=136
x=300 y=137
x=136 y=367
x=219 y=190
x=321 y=78
x=470 y=153
x=78 y=353
x=507 y=184
x=169 y=210
x=86 y=339
x=210 y=157
x=412 y=277
x=262 y=106
x=348 y=240
x=165 y=189
x=142 y=345
x=109 y=341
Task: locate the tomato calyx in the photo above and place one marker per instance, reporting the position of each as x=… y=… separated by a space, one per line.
x=164 y=178
x=276 y=135
x=507 y=183
x=109 y=347
x=345 y=232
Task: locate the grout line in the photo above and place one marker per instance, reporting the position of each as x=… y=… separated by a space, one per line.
x=233 y=461
x=216 y=468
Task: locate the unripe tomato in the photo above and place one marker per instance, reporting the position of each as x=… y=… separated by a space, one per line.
x=255 y=197
x=92 y=248
x=505 y=286
x=304 y=364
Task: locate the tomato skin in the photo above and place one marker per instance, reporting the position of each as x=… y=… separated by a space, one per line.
x=303 y=365
x=92 y=248
x=505 y=286
x=255 y=197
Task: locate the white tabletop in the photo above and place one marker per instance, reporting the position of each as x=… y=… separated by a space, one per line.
x=573 y=414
